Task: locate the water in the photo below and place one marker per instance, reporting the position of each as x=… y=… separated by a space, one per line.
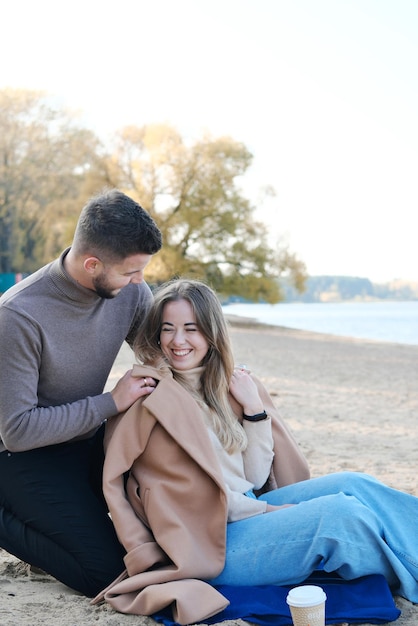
x=382 y=321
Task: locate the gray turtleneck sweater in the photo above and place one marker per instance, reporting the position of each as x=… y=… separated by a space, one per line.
x=58 y=342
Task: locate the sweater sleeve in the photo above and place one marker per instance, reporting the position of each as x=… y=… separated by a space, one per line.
x=24 y=424
x=233 y=467
x=258 y=456
x=241 y=506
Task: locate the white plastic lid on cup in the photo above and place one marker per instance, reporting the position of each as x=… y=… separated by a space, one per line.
x=306 y=595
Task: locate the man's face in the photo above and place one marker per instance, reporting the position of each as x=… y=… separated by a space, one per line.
x=112 y=278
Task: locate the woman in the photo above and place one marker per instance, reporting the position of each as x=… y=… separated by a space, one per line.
x=199 y=448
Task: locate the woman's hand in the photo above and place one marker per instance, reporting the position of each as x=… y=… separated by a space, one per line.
x=245 y=391
x=273 y=507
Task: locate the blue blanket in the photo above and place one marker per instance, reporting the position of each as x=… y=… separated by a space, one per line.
x=366 y=599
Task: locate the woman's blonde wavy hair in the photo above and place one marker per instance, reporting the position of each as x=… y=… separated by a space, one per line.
x=218 y=362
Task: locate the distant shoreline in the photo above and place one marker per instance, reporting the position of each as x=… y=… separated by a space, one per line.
x=389 y=322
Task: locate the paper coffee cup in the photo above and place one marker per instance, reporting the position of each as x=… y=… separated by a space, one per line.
x=307 y=605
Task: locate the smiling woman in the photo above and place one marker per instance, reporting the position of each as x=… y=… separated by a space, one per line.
x=216 y=480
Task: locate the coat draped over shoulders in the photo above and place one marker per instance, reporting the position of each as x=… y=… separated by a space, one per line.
x=167 y=500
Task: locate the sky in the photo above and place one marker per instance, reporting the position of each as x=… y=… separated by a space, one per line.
x=324 y=93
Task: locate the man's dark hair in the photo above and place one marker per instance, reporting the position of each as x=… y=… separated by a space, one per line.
x=112 y=226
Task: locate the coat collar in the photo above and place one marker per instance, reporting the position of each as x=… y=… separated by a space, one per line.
x=180 y=415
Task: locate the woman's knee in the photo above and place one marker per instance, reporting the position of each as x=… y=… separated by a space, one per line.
x=348 y=482
x=345 y=516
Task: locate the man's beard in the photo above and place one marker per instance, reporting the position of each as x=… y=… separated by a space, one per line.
x=102 y=288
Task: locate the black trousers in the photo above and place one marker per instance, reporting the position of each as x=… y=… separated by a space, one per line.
x=53 y=515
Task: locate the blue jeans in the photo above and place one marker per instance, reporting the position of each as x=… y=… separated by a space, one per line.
x=348 y=523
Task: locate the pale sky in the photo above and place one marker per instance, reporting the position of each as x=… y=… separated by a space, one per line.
x=324 y=93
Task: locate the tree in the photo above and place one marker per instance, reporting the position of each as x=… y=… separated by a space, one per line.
x=49 y=166
x=45 y=159
x=192 y=191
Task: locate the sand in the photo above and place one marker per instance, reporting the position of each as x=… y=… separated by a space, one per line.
x=352 y=404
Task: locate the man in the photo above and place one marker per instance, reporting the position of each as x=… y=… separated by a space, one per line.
x=60 y=332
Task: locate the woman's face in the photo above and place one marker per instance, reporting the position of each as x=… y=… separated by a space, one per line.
x=181 y=340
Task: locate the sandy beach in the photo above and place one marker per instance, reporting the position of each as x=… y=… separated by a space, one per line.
x=352 y=404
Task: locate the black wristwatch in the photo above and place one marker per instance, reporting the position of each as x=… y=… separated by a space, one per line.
x=258 y=417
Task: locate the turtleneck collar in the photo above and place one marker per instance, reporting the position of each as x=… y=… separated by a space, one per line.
x=69 y=287
x=192 y=376
x=191 y=381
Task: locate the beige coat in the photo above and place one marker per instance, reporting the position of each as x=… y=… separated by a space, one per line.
x=172 y=516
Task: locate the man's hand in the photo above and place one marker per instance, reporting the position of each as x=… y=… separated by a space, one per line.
x=129 y=388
